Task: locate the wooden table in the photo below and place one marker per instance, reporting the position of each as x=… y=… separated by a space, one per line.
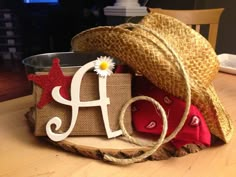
x=24 y=155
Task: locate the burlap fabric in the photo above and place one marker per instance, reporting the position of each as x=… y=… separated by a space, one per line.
x=138 y=49
x=89 y=121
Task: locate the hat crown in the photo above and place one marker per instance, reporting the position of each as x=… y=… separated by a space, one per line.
x=197 y=54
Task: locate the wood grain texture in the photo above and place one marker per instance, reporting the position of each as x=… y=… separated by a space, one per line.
x=24 y=155
x=96 y=147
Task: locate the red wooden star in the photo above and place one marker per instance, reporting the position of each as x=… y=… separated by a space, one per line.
x=54 y=78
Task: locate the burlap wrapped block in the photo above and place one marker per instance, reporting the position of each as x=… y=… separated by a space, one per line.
x=89 y=120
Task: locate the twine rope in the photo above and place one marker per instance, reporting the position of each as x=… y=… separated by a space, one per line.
x=162 y=138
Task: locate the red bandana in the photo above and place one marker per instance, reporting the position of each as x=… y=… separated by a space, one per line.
x=147 y=119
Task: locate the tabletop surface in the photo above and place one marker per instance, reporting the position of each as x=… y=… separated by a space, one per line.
x=24 y=155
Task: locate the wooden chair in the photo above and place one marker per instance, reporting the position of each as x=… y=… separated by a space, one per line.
x=196 y=18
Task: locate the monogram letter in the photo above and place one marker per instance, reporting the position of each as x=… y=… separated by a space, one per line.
x=75 y=103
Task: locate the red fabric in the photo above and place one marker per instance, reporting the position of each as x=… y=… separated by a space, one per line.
x=146 y=118
x=54 y=78
x=122 y=69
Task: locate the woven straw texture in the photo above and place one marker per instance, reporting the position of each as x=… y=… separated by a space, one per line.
x=146 y=54
x=89 y=121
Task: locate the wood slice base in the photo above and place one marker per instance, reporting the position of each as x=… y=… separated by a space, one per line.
x=97 y=146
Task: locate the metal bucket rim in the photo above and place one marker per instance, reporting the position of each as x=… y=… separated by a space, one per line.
x=27 y=59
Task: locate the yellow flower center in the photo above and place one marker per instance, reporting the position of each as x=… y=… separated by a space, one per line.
x=104 y=65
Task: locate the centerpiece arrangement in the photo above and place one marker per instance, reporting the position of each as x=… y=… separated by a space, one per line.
x=151 y=80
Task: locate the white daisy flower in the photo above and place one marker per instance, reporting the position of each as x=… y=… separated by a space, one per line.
x=103 y=66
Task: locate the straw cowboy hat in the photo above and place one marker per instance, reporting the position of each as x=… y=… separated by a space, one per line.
x=145 y=53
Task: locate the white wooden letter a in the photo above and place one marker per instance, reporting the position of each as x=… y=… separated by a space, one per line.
x=75 y=103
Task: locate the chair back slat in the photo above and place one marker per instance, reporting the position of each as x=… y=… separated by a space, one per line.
x=198 y=28
x=196 y=18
